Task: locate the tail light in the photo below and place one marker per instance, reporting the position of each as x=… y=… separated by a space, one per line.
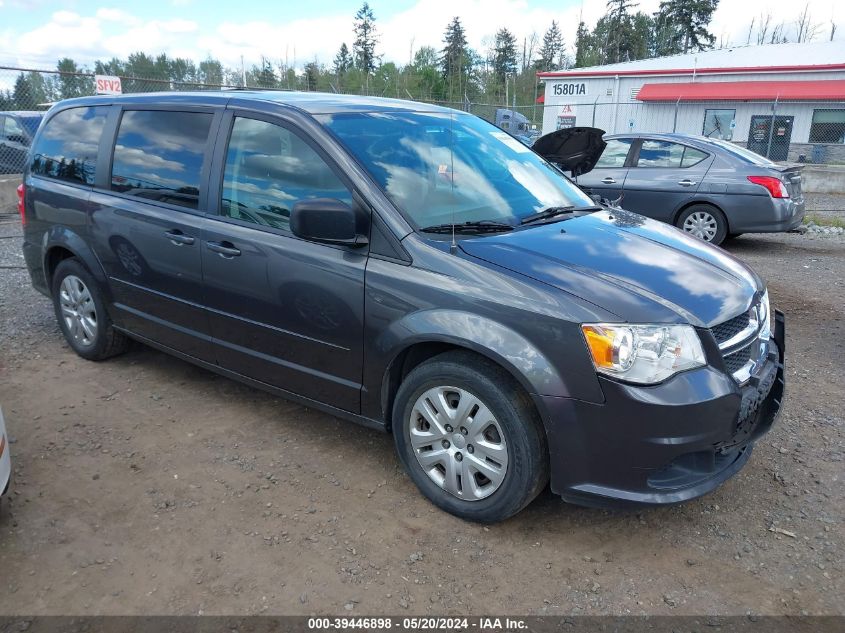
x=21 y=206
x=775 y=186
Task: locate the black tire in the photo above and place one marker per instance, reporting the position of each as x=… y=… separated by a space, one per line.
x=719 y=217
x=527 y=471
x=107 y=341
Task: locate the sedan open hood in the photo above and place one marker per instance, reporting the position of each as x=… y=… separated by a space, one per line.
x=574 y=149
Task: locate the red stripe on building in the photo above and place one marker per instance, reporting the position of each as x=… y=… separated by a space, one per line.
x=745 y=91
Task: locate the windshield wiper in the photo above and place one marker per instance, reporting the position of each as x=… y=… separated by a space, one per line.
x=552 y=212
x=480 y=226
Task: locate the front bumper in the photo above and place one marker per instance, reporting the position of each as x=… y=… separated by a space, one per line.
x=663 y=444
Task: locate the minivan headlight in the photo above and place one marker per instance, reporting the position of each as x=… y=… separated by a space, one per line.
x=765 y=315
x=643 y=354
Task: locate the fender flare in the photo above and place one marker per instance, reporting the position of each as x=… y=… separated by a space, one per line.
x=63 y=237
x=489 y=338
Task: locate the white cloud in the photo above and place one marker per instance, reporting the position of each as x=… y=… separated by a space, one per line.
x=117 y=32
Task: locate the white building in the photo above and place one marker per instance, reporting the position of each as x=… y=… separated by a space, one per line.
x=734 y=93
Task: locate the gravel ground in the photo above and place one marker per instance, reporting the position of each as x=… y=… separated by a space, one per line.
x=144 y=485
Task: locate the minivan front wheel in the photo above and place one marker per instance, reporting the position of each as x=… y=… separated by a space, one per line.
x=704 y=222
x=81 y=313
x=470 y=438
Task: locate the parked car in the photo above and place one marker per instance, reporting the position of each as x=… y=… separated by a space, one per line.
x=16 y=132
x=5 y=457
x=708 y=187
x=416 y=270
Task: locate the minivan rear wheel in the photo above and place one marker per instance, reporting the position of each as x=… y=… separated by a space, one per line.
x=81 y=313
x=470 y=437
x=705 y=222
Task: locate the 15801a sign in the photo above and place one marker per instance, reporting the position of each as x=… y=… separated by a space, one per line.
x=570 y=89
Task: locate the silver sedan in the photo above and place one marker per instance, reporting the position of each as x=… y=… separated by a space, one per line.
x=710 y=188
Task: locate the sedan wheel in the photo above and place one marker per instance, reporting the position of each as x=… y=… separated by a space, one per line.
x=78 y=310
x=701 y=224
x=458 y=443
x=705 y=222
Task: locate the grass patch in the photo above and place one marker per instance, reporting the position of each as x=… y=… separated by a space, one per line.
x=824 y=221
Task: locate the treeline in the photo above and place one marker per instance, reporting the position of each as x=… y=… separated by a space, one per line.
x=454 y=72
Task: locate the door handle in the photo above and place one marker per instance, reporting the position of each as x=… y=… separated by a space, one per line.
x=178 y=238
x=225 y=249
x=608 y=181
x=686 y=182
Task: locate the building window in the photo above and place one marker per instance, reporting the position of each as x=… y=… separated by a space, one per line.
x=828 y=126
x=717 y=124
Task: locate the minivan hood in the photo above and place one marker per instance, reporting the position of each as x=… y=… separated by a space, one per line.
x=638 y=269
x=574 y=149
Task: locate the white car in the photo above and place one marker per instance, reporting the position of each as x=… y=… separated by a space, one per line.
x=5 y=460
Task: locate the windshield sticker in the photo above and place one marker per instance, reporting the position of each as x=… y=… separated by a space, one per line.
x=511 y=142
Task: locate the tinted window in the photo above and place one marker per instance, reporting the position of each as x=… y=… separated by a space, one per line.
x=439 y=167
x=158 y=155
x=12 y=129
x=67 y=148
x=268 y=169
x=660 y=154
x=615 y=153
x=692 y=157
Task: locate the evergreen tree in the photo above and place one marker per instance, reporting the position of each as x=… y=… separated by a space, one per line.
x=366 y=37
x=265 y=76
x=210 y=72
x=454 y=59
x=583 y=46
x=504 y=54
x=71 y=84
x=342 y=61
x=312 y=74
x=681 y=26
x=617 y=29
x=551 y=50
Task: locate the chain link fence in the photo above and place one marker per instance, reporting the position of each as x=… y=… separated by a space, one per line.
x=785 y=131
x=789 y=131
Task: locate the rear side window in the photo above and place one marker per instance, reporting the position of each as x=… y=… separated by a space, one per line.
x=615 y=153
x=660 y=154
x=67 y=148
x=692 y=157
x=158 y=155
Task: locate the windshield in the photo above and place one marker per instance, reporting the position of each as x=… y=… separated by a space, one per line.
x=441 y=168
x=745 y=155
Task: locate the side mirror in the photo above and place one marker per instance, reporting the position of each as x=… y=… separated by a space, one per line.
x=326 y=220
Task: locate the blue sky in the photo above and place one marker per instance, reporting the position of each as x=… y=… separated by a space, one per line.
x=36 y=33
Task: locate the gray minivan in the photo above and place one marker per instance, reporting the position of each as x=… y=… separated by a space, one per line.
x=708 y=187
x=416 y=270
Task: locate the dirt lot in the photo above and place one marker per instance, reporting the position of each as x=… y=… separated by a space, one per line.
x=145 y=485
